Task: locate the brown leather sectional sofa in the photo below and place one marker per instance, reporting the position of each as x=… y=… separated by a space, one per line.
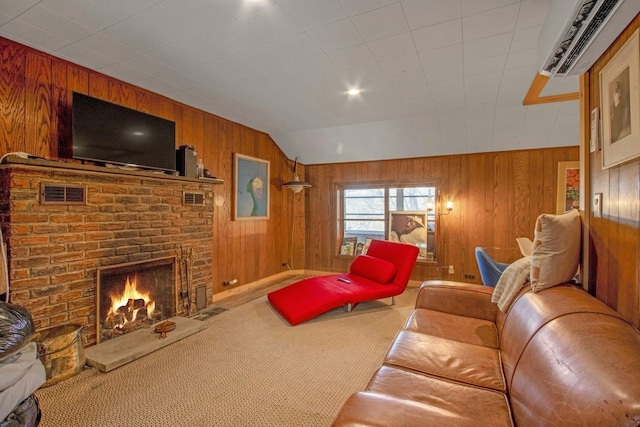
x=558 y=357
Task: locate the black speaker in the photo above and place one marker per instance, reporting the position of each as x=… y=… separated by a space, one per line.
x=187 y=161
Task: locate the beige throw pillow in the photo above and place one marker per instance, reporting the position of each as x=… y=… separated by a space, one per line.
x=556 y=249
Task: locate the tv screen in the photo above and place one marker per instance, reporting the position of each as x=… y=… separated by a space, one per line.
x=110 y=133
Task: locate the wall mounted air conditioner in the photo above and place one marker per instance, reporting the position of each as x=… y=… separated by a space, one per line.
x=577 y=32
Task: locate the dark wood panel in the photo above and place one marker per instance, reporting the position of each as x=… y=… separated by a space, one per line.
x=60 y=146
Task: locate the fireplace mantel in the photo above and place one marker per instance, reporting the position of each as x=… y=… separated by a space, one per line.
x=55 y=249
x=116 y=170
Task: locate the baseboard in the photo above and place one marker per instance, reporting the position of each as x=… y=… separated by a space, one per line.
x=280 y=277
x=257 y=284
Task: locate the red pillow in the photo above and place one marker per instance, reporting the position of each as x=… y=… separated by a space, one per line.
x=372 y=268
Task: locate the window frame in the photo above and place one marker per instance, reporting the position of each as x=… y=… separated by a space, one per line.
x=339 y=191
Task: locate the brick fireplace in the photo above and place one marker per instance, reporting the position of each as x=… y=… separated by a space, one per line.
x=99 y=217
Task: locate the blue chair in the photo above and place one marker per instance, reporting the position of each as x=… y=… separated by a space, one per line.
x=490 y=270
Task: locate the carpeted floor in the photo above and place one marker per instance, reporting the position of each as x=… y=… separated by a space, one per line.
x=248 y=368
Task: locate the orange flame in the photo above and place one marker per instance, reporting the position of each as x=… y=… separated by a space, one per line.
x=131 y=293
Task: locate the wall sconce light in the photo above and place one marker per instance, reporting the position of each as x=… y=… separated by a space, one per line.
x=296 y=185
x=448 y=205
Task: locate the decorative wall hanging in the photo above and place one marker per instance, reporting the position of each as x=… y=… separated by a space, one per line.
x=620 y=105
x=250 y=187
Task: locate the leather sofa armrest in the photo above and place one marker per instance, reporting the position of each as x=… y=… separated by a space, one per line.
x=462 y=299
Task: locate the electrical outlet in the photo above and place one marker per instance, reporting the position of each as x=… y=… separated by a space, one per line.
x=451 y=269
x=469 y=276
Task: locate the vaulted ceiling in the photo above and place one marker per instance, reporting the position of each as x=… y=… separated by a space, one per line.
x=435 y=76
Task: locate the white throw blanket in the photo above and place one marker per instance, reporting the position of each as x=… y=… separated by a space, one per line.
x=513 y=278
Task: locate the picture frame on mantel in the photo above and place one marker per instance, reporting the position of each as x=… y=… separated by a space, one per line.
x=250 y=188
x=568 y=194
x=620 y=105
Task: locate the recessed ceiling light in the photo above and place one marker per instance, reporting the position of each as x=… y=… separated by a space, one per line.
x=353 y=92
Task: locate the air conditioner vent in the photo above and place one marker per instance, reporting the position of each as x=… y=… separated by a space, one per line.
x=193 y=198
x=577 y=32
x=597 y=20
x=66 y=194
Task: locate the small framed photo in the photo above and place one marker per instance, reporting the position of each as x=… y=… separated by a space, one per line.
x=620 y=105
x=367 y=243
x=348 y=246
x=250 y=188
x=409 y=227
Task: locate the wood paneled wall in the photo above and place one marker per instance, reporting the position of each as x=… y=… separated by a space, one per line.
x=35 y=117
x=497 y=198
x=614 y=240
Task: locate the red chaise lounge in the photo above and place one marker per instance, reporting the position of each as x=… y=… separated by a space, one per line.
x=382 y=273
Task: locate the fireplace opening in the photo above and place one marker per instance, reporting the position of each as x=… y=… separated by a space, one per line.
x=134 y=295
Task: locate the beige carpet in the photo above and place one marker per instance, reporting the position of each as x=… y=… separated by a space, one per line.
x=248 y=368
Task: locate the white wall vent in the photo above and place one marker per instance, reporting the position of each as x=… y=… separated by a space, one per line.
x=577 y=32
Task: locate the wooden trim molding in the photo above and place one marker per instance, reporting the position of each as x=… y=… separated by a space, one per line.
x=539 y=82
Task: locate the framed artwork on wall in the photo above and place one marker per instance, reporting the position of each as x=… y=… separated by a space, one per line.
x=568 y=194
x=620 y=105
x=409 y=227
x=250 y=187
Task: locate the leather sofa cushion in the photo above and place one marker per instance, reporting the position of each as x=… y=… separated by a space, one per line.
x=458 y=328
x=448 y=359
x=485 y=406
x=371 y=268
x=367 y=408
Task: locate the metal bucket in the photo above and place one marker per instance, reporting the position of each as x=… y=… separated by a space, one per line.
x=61 y=351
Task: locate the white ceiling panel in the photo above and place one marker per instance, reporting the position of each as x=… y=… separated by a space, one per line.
x=490 y=23
x=439 y=35
x=380 y=23
x=436 y=76
x=424 y=13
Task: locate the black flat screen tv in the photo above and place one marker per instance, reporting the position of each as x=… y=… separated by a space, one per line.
x=108 y=133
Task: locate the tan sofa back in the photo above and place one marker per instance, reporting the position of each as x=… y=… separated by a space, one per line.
x=568 y=358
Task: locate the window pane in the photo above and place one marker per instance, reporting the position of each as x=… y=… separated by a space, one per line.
x=364 y=213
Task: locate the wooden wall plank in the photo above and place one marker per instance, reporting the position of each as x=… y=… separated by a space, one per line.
x=13 y=65
x=60 y=112
x=38 y=105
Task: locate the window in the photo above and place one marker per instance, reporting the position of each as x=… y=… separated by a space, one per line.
x=388 y=212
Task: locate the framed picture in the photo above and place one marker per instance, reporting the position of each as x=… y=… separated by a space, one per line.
x=620 y=105
x=348 y=246
x=367 y=243
x=250 y=188
x=568 y=194
x=409 y=227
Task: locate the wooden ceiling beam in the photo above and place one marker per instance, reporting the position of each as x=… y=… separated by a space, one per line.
x=539 y=82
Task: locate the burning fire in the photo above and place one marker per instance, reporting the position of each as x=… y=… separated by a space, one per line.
x=125 y=307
